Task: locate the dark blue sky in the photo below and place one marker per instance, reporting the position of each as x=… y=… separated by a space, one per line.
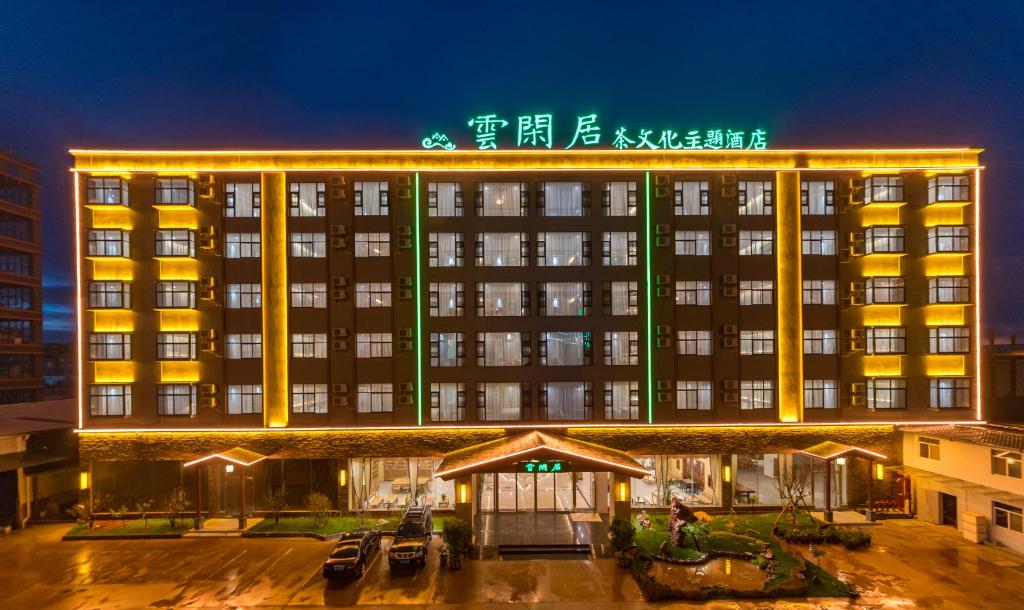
x=302 y=74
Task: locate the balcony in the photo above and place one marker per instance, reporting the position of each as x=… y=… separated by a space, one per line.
x=179 y=371
x=887 y=314
x=113 y=320
x=946 y=365
x=946 y=264
x=882 y=264
x=114 y=371
x=885 y=365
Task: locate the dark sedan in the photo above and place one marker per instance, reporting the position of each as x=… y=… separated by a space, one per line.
x=351 y=554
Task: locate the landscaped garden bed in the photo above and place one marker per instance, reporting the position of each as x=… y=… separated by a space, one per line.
x=308 y=526
x=134 y=528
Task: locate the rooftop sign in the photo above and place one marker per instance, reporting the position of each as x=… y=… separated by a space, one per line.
x=539 y=131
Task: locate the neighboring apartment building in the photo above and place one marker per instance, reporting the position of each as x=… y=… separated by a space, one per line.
x=21 y=311
x=1003 y=390
x=391 y=327
x=968 y=477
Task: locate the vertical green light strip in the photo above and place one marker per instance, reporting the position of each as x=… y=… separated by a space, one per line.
x=649 y=300
x=419 y=309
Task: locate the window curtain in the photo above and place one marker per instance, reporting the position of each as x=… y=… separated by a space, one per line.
x=620 y=298
x=620 y=400
x=503 y=401
x=448 y=401
x=501 y=199
x=566 y=400
x=446 y=199
x=447 y=349
x=502 y=249
x=564 y=298
x=371 y=198
x=620 y=347
x=691 y=198
x=563 y=199
x=754 y=198
x=307 y=199
x=619 y=248
x=243 y=199
x=503 y=299
x=446 y=250
x=816 y=197
x=564 y=349
x=563 y=249
x=447 y=299
x=618 y=198
x=503 y=349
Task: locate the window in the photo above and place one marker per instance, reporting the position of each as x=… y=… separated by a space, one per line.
x=307 y=198
x=445 y=249
x=110 y=346
x=1008 y=516
x=499 y=349
x=883 y=188
x=18 y=263
x=820 y=394
x=928 y=448
x=884 y=240
x=502 y=249
x=447 y=349
x=309 y=397
x=371 y=198
x=819 y=341
x=820 y=243
x=242 y=199
x=242 y=245
x=106 y=191
x=501 y=299
x=311 y=245
x=15 y=332
x=758 y=394
x=885 y=290
x=757 y=342
x=499 y=401
x=309 y=345
x=176 y=295
x=501 y=199
x=563 y=249
x=110 y=400
x=175 y=242
x=564 y=299
x=564 y=348
x=949 y=290
x=314 y=294
x=886 y=340
x=176 y=346
x=622 y=400
x=444 y=199
x=565 y=400
x=619 y=199
x=243 y=345
x=20 y=297
x=375 y=398
x=619 y=249
x=563 y=199
x=693 y=342
x=691 y=292
x=447 y=402
x=175 y=191
x=623 y=298
x=691 y=198
x=755 y=198
x=949 y=239
x=819 y=292
x=757 y=292
x=949 y=188
x=245 y=399
x=446 y=299
x=693 y=395
x=110 y=295
x=887 y=393
x=949 y=392
x=818 y=198
x=373 y=244
x=1006 y=463
x=242 y=296
x=371 y=294
x=176 y=399
x=756 y=243
x=108 y=242
x=693 y=243
x=372 y=345
x=621 y=348
x=949 y=340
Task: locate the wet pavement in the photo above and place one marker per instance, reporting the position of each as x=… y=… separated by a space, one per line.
x=911 y=565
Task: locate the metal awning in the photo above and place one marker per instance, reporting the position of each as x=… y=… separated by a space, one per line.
x=505 y=453
x=237 y=455
x=830 y=450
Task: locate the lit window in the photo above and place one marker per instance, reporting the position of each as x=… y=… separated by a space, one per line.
x=108 y=242
x=242 y=245
x=372 y=294
x=499 y=401
x=307 y=198
x=309 y=398
x=621 y=348
x=499 y=250
x=243 y=345
x=502 y=299
x=176 y=399
x=444 y=199
x=757 y=292
x=242 y=199
x=757 y=342
x=883 y=188
x=176 y=295
x=885 y=290
x=693 y=292
x=557 y=348
x=819 y=292
x=243 y=296
x=949 y=340
x=757 y=394
x=446 y=299
x=949 y=239
x=756 y=243
x=950 y=392
x=564 y=299
x=314 y=295
x=563 y=199
x=619 y=249
x=693 y=342
x=819 y=243
x=374 y=398
x=755 y=198
x=499 y=349
x=110 y=295
x=175 y=242
x=817 y=198
x=309 y=345
x=622 y=400
x=110 y=400
x=693 y=243
x=949 y=290
x=820 y=394
x=565 y=400
x=447 y=349
x=563 y=249
x=311 y=245
x=819 y=341
x=501 y=199
x=1006 y=463
x=884 y=240
x=245 y=399
x=175 y=191
x=371 y=198
x=887 y=393
x=110 y=346
x=694 y=395
x=373 y=244
x=373 y=345
x=623 y=297
x=619 y=199
x=949 y=188
x=176 y=346
x=886 y=340
x=928 y=448
x=107 y=191
x=691 y=198
x=447 y=402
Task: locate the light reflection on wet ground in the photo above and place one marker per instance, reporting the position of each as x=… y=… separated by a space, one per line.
x=911 y=565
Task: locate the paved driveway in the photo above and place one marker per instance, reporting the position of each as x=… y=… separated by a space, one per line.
x=911 y=565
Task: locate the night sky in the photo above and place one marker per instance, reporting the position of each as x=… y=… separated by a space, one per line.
x=384 y=74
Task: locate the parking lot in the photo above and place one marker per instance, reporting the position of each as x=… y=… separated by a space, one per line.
x=911 y=564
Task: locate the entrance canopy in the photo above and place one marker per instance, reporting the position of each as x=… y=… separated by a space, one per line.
x=830 y=450
x=522 y=451
x=238 y=455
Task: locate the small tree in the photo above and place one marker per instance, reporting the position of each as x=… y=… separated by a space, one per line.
x=319 y=507
x=177 y=503
x=276 y=501
x=794 y=488
x=696 y=531
x=458 y=535
x=142 y=507
x=119 y=513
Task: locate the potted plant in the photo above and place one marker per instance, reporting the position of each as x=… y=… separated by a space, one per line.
x=621 y=533
x=458 y=538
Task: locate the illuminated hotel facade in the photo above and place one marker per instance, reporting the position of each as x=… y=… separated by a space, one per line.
x=391 y=327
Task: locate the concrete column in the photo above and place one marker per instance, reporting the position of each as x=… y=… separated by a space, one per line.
x=620 y=501
x=788 y=252
x=274 y=256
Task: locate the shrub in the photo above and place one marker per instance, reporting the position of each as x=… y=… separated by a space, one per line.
x=853 y=538
x=318 y=506
x=622 y=534
x=458 y=535
x=849 y=537
x=177 y=503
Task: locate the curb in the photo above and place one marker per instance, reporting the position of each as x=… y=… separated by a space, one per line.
x=71 y=538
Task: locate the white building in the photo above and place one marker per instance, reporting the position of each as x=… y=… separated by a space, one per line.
x=968 y=477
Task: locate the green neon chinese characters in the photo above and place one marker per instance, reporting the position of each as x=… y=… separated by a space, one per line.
x=486 y=126
x=542 y=467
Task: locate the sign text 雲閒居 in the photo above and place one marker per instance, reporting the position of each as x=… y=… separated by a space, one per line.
x=538 y=131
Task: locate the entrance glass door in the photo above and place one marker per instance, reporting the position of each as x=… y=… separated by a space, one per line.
x=506 y=491
x=542 y=492
x=526 y=488
x=563 y=491
x=545 y=491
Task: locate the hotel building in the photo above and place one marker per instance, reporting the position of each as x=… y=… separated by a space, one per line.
x=582 y=330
